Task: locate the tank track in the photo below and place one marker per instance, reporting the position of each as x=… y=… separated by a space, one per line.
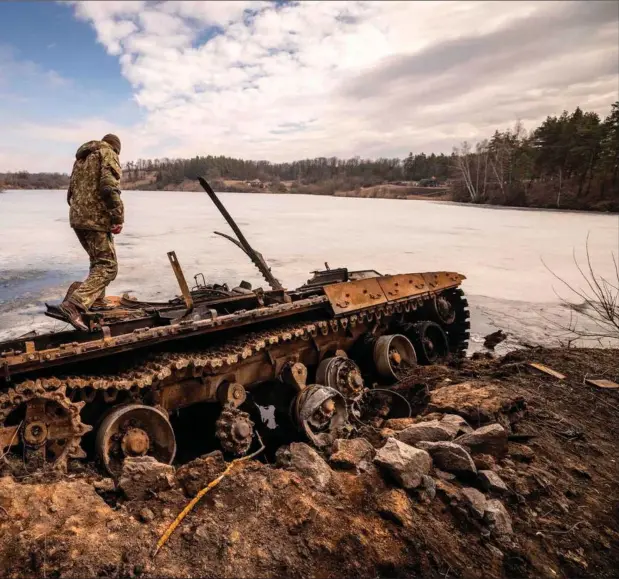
x=156 y=370
x=459 y=332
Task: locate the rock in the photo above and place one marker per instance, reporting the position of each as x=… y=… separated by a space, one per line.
x=356 y=453
x=143 y=476
x=104 y=485
x=449 y=457
x=475 y=501
x=491 y=341
x=484 y=462
x=428 y=417
x=306 y=461
x=491 y=481
x=146 y=515
x=490 y=439
x=456 y=424
x=398 y=423
x=520 y=452
x=428 y=486
x=430 y=431
x=395 y=506
x=198 y=473
x=448 y=490
x=497 y=517
x=405 y=463
x=386 y=433
x=441 y=474
x=478 y=402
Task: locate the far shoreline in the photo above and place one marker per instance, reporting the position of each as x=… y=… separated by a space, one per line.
x=442 y=200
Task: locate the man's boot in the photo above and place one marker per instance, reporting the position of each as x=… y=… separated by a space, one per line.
x=74 y=316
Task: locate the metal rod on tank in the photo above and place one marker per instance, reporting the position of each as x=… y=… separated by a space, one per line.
x=256 y=258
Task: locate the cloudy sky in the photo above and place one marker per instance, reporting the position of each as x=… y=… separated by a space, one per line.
x=287 y=80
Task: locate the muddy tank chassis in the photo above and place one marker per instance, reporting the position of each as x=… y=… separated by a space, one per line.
x=321 y=345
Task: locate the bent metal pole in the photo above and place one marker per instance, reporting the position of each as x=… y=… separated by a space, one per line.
x=256 y=258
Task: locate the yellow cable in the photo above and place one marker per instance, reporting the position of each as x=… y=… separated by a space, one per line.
x=196 y=499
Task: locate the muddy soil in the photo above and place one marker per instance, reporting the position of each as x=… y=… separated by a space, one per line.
x=263 y=520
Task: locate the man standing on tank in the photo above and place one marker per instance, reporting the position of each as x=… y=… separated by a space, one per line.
x=96 y=213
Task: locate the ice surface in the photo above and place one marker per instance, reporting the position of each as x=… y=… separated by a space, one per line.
x=499 y=250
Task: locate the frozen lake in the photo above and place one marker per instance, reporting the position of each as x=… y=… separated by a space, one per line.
x=499 y=250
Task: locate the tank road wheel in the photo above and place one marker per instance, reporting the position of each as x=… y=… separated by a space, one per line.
x=342 y=374
x=42 y=427
x=430 y=342
x=321 y=413
x=234 y=430
x=443 y=310
x=394 y=355
x=134 y=430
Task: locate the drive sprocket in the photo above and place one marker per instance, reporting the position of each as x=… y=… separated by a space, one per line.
x=41 y=425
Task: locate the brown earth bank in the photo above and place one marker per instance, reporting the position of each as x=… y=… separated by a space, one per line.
x=539 y=195
x=506 y=472
x=399 y=190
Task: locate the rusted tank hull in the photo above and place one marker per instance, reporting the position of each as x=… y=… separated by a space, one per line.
x=148 y=360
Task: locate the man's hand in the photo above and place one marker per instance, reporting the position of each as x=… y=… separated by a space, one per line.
x=116 y=229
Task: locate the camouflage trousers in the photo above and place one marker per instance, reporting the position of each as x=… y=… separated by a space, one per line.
x=99 y=246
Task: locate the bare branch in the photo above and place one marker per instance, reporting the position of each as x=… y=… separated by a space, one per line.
x=598 y=302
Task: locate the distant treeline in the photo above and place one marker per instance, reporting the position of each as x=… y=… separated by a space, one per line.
x=568 y=162
x=330 y=174
x=25 y=180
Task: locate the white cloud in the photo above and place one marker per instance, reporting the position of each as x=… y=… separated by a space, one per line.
x=13 y=68
x=260 y=80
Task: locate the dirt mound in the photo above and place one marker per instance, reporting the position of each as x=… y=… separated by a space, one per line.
x=63 y=528
x=478 y=402
x=547 y=508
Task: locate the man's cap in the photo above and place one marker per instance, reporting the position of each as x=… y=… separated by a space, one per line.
x=113 y=141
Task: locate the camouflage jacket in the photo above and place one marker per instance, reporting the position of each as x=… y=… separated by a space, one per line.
x=94 y=189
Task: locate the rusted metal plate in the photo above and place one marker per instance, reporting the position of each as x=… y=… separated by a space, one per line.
x=182 y=282
x=547 y=370
x=355 y=295
x=396 y=287
x=608 y=384
x=181 y=395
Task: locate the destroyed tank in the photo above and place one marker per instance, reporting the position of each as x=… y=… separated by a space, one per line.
x=112 y=392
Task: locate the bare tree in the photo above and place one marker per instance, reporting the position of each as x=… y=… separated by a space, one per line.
x=462 y=160
x=473 y=167
x=597 y=301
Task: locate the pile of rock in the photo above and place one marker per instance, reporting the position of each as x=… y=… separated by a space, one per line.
x=434 y=452
x=419 y=457
x=449 y=448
